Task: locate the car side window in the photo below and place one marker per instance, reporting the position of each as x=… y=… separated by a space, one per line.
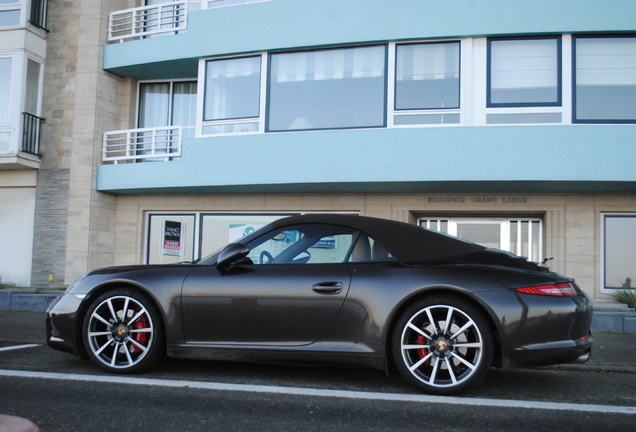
x=367 y=249
x=303 y=244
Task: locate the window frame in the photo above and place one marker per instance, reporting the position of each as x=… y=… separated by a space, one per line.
x=574 y=97
x=201 y=123
x=603 y=273
x=459 y=73
x=268 y=76
x=171 y=98
x=559 y=72
x=17 y=96
x=17 y=5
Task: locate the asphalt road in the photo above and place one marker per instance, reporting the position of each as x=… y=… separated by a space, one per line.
x=60 y=392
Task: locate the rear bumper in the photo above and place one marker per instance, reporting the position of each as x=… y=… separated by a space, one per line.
x=551 y=353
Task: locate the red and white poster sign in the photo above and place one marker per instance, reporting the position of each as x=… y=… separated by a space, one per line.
x=173 y=238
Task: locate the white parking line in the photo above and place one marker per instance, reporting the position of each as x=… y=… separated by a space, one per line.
x=16 y=347
x=297 y=391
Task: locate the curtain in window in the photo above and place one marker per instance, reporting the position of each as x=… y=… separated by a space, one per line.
x=154 y=105
x=232 y=88
x=605 y=79
x=427 y=76
x=327 y=89
x=524 y=71
x=184 y=106
x=329 y=64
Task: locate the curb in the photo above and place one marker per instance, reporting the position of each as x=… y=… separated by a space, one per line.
x=25 y=300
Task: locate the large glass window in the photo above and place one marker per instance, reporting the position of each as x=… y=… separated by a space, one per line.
x=10 y=12
x=168 y=104
x=6 y=65
x=427 y=76
x=32 y=96
x=619 y=256
x=217 y=230
x=327 y=89
x=524 y=72
x=232 y=95
x=161 y=105
x=605 y=79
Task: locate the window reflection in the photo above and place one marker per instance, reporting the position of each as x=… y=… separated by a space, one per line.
x=620 y=251
x=327 y=89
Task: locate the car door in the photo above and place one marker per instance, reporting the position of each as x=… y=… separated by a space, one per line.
x=288 y=292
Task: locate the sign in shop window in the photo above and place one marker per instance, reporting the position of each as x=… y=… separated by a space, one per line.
x=173 y=238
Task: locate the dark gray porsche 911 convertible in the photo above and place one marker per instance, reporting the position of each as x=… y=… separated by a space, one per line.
x=332 y=289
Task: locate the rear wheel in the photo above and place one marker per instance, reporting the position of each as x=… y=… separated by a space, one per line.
x=443 y=344
x=123 y=331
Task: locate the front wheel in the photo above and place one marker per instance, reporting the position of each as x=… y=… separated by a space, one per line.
x=443 y=344
x=123 y=331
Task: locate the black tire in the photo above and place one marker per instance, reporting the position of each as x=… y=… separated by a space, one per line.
x=440 y=358
x=123 y=331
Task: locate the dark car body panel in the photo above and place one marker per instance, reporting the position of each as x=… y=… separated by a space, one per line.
x=339 y=313
x=262 y=305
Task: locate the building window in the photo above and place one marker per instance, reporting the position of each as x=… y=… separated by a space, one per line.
x=217 y=230
x=619 y=251
x=6 y=68
x=232 y=95
x=168 y=104
x=200 y=233
x=522 y=237
x=524 y=72
x=605 y=79
x=427 y=76
x=327 y=89
x=10 y=12
x=39 y=13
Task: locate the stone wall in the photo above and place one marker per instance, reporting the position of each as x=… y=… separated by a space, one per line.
x=50 y=230
x=80 y=102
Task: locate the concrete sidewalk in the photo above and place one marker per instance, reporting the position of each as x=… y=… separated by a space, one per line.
x=612 y=352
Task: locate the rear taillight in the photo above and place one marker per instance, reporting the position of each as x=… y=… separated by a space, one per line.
x=560 y=289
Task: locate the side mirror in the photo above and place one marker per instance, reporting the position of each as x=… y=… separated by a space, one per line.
x=232 y=253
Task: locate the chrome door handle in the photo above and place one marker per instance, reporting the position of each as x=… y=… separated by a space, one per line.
x=331 y=287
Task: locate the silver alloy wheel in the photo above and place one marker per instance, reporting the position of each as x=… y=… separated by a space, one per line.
x=120 y=332
x=441 y=346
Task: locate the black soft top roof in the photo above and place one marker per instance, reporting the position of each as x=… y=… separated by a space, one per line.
x=409 y=243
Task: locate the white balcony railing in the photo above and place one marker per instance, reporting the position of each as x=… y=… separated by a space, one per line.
x=136 y=145
x=148 y=20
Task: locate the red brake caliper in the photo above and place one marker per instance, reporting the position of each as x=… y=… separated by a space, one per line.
x=142 y=338
x=422 y=352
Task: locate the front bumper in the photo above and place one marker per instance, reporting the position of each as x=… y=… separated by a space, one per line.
x=63 y=331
